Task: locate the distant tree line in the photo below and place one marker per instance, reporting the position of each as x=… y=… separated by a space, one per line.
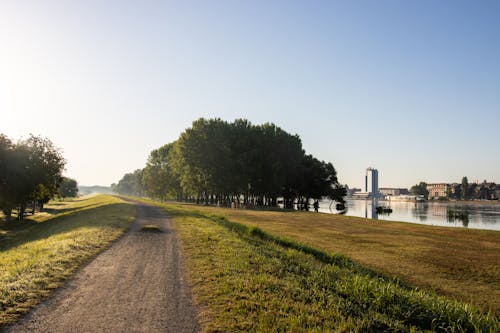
x=462 y=191
x=30 y=173
x=95 y=189
x=215 y=161
x=472 y=191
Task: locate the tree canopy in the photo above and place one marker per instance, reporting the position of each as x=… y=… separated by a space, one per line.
x=220 y=161
x=130 y=184
x=30 y=170
x=68 y=188
x=420 y=189
x=465 y=185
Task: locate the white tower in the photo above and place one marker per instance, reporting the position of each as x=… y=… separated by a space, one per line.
x=371 y=182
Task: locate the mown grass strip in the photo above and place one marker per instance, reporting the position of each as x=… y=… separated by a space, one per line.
x=39 y=254
x=328 y=258
x=252 y=280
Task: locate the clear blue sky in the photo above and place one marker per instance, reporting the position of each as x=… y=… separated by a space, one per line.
x=409 y=87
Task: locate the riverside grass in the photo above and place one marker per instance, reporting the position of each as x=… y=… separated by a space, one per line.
x=38 y=254
x=250 y=280
x=463 y=264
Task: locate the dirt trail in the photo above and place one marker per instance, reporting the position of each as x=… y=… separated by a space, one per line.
x=135 y=286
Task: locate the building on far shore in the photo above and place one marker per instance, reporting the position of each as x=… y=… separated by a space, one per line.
x=371 y=181
x=371 y=185
x=393 y=191
x=438 y=190
x=351 y=191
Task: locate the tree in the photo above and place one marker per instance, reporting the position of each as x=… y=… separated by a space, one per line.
x=44 y=165
x=130 y=184
x=68 y=188
x=32 y=171
x=158 y=179
x=218 y=161
x=317 y=179
x=6 y=175
x=420 y=189
x=465 y=186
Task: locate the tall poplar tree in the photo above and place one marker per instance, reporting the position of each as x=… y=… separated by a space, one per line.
x=465 y=188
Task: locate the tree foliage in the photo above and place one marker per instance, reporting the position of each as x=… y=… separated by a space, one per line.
x=158 y=179
x=68 y=188
x=30 y=170
x=465 y=185
x=238 y=162
x=420 y=189
x=130 y=184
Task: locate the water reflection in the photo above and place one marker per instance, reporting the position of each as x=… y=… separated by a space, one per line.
x=421 y=211
x=454 y=215
x=471 y=215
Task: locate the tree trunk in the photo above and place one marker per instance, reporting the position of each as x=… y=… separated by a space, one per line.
x=22 y=209
x=8 y=214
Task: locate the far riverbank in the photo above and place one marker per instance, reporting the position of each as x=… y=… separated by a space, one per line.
x=476 y=202
x=468 y=214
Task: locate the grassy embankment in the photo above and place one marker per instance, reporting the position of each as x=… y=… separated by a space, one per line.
x=456 y=262
x=250 y=279
x=38 y=254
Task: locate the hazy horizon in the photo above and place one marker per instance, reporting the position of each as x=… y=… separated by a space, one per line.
x=409 y=88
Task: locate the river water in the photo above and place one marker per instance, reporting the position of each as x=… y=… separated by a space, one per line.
x=448 y=214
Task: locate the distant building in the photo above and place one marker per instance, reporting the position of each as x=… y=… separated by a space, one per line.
x=438 y=190
x=371 y=185
x=351 y=191
x=371 y=182
x=393 y=191
x=497 y=192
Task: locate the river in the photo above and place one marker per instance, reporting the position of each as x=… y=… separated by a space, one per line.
x=448 y=214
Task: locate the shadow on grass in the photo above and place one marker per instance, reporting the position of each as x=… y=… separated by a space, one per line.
x=28 y=220
x=55 y=211
x=26 y=231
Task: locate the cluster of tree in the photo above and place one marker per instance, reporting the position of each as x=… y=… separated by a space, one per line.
x=238 y=162
x=420 y=189
x=30 y=172
x=472 y=191
x=462 y=191
x=68 y=188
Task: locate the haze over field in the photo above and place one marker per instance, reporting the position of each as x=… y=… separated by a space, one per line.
x=409 y=88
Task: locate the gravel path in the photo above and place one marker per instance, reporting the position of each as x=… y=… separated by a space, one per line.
x=135 y=286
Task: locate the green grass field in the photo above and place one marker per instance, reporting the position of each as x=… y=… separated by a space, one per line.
x=250 y=279
x=463 y=264
x=38 y=254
